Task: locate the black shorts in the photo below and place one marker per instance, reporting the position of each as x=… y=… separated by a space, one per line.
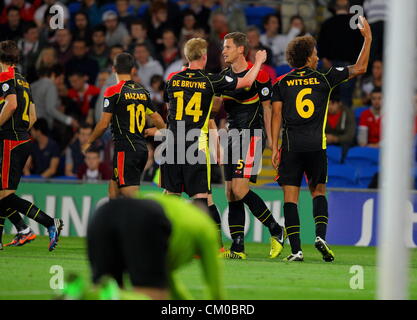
x=130 y=236
x=14 y=155
x=244 y=157
x=128 y=167
x=293 y=165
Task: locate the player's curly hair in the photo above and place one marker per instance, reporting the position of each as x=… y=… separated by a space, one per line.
x=9 y=52
x=299 y=50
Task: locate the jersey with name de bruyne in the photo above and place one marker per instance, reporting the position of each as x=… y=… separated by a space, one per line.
x=305 y=95
x=129 y=103
x=190 y=95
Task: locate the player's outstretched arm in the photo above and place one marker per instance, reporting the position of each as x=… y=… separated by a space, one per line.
x=158 y=121
x=250 y=76
x=361 y=64
x=10 y=105
x=99 y=130
x=275 y=131
x=32 y=115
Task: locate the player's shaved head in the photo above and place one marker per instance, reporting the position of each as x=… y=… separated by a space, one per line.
x=9 y=52
x=124 y=63
x=299 y=50
x=195 y=49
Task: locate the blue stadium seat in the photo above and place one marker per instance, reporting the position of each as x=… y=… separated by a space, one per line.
x=362 y=157
x=255 y=15
x=109 y=6
x=74 y=7
x=334 y=154
x=365 y=175
x=283 y=69
x=358 y=112
x=142 y=10
x=342 y=176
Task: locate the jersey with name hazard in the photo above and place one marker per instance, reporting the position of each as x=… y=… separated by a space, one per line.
x=190 y=95
x=16 y=128
x=305 y=95
x=129 y=103
x=244 y=106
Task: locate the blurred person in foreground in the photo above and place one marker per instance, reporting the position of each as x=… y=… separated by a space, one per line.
x=156 y=236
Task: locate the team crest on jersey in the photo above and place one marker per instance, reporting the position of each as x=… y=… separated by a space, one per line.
x=228 y=79
x=106 y=103
x=265 y=91
x=5 y=87
x=301 y=73
x=190 y=74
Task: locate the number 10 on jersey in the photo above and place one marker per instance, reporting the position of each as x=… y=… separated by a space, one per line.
x=136 y=112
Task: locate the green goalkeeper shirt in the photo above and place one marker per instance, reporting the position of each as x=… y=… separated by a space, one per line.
x=193 y=234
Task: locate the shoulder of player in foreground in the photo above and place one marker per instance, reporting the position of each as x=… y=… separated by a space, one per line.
x=115 y=89
x=262 y=76
x=7 y=75
x=174 y=73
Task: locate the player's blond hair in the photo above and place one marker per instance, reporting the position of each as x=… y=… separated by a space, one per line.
x=195 y=48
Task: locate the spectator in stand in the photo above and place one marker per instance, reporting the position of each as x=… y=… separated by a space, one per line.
x=116 y=32
x=173 y=13
x=82 y=62
x=63 y=42
x=47 y=59
x=93 y=170
x=375 y=80
x=114 y=51
x=12 y=27
x=170 y=52
x=102 y=78
x=297 y=22
x=339 y=45
x=74 y=158
x=44 y=156
x=219 y=26
x=99 y=50
x=201 y=13
x=235 y=16
x=156 y=90
x=274 y=40
x=46 y=98
x=124 y=12
x=189 y=23
x=30 y=48
x=93 y=11
x=147 y=65
x=376 y=13
x=157 y=22
x=25 y=9
x=369 y=130
x=255 y=44
x=81 y=28
x=84 y=96
x=341 y=126
x=40 y=12
x=139 y=35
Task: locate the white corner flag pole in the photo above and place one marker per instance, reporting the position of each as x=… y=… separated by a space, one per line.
x=398 y=118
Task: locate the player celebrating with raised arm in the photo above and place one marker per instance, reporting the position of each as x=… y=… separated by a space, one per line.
x=249 y=112
x=190 y=94
x=299 y=103
x=125 y=107
x=16 y=118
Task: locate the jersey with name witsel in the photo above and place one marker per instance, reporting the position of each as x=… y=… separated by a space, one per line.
x=129 y=103
x=305 y=95
x=16 y=128
x=190 y=96
x=244 y=105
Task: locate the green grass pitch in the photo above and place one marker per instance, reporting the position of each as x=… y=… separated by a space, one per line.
x=25 y=272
